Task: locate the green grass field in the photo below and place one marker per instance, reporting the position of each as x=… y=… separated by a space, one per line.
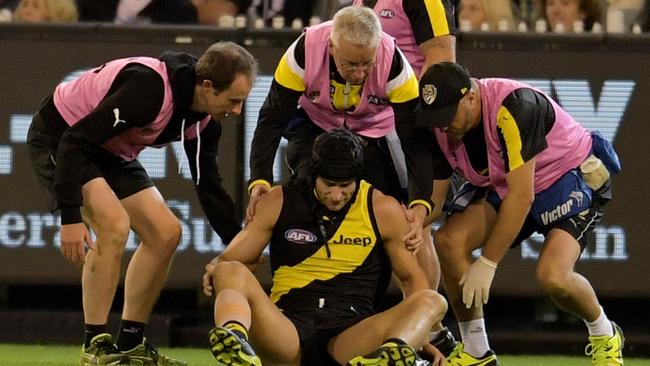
x=31 y=355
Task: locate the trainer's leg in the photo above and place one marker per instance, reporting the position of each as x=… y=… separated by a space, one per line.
x=101 y=272
x=240 y=298
x=555 y=273
x=455 y=240
x=410 y=320
x=159 y=232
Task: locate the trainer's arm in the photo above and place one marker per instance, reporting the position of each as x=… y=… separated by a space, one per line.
x=525 y=118
x=402 y=92
x=274 y=116
x=217 y=204
x=281 y=102
x=513 y=211
x=442 y=172
x=437 y=50
x=392 y=227
x=440 y=189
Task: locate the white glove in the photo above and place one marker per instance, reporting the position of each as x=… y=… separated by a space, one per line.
x=476 y=282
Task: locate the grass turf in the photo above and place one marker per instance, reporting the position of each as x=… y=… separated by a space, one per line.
x=35 y=355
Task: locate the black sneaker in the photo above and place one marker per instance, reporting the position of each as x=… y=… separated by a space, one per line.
x=444 y=342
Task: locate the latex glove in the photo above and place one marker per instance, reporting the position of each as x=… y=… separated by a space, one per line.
x=476 y=282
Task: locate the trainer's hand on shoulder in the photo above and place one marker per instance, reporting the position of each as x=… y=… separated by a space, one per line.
x=476 y=282
x=256 y=193
x=74 y=238
x=413 y=238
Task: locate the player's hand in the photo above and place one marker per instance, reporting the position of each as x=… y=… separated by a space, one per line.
x=256 y=193
x=74 y=238
x=432 y=352
x=207 y=278
x=476 y=282
x=413 y=238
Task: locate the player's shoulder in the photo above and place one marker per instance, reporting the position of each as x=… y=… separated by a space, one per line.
x=385 y=205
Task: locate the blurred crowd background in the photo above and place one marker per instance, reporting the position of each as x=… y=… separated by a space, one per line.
x=560 y=16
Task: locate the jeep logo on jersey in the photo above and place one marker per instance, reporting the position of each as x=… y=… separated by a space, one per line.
x=300 y=236
x=387 y=14
x=365 y=241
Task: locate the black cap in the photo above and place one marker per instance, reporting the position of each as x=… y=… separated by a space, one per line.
x=337 y=155
x=442 y=86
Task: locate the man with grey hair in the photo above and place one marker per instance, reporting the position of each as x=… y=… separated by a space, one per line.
x=347 y=73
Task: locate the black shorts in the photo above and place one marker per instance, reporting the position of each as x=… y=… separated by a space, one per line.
x=124 y=177
x=316 y=327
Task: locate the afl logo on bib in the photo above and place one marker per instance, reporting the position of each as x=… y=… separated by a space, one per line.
x=300 y=236
x=387 y=14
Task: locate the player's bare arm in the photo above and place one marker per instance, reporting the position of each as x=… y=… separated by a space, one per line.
x=393 y=226
x=248 y=245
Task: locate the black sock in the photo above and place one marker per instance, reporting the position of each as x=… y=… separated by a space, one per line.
x=238 y=328
x=93 y=330
x=130 y=334
x=394 y=342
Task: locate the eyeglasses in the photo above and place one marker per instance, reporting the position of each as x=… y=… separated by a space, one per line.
x=354 y=66
x=351 y=66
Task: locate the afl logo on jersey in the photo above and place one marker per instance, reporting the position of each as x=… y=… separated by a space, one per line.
x=299 y=236
x=387 y=14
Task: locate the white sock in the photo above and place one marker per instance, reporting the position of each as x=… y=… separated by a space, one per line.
x=474 y=337
x=601 y=326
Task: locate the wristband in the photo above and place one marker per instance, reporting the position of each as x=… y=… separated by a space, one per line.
x=424 y=203
x=257 y=182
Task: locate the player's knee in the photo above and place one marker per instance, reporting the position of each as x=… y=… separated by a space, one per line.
x=553 y=280
x=431 y=304
x=229 y=269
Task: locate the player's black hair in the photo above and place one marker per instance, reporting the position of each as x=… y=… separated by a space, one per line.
x=337 y=155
